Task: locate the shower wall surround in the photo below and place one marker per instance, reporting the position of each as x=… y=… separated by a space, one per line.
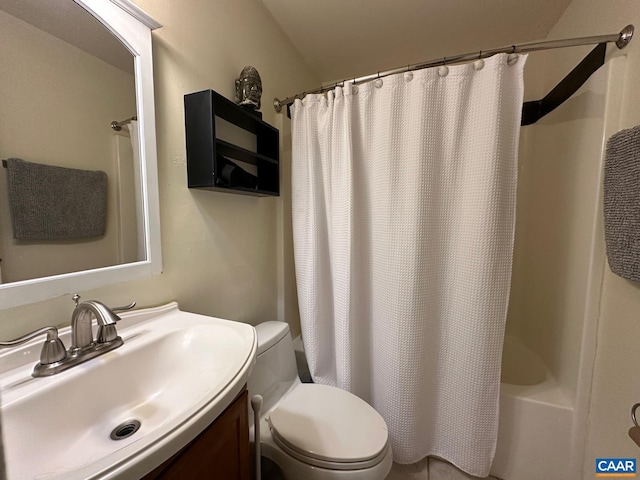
x=614 y=383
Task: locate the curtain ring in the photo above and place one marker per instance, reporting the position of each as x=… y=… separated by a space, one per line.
x=408 y=75
x=443 y=71
x=378 y=81
x=479 y=63
x=513 y=49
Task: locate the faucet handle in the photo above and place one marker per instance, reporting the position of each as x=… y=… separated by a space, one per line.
x=124 y=308
x=52 y=350
x=108 y=333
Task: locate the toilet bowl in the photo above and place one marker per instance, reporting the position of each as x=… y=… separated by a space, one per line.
x=310 y=431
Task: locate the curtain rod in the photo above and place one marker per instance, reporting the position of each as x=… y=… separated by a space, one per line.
x=621 y=40
x=117 y=126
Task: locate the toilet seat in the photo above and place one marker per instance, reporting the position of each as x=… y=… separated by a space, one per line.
x=329 y=428
x=316 y=462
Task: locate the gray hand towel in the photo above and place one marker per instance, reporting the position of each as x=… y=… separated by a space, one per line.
x=50 y=203
x=622 y=203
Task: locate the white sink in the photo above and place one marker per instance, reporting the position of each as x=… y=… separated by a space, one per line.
x=175 y=373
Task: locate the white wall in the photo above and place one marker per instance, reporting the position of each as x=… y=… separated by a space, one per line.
x=220 y=250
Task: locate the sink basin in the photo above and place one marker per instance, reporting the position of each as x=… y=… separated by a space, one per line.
x=175 y=373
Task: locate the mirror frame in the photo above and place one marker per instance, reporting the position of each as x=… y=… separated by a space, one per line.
x=133 y=27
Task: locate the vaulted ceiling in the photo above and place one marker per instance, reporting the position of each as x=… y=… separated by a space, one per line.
x=350 y=38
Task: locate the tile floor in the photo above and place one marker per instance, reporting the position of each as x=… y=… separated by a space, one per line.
x=430 y=469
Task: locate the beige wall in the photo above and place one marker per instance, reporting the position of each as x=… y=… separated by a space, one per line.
x=616 y=386
x=57 y=103
x=220 y=251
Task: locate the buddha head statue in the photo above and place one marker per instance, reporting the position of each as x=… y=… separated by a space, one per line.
x=249 y=88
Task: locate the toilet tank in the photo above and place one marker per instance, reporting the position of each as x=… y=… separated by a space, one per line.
x=275 y=371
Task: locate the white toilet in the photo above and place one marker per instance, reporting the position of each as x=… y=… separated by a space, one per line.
x=313 y=432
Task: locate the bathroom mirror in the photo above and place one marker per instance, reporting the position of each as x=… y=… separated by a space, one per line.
x=69 y=68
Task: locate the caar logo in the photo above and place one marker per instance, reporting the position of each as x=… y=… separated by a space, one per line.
x=615 y=467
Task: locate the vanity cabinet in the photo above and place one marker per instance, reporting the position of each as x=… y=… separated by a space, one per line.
x=221 y=165
x=220 y=452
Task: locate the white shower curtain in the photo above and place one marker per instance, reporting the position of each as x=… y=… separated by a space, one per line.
x=404 y=212
x=137 y=182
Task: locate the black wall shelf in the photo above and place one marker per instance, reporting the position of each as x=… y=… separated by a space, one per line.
x=210 y=160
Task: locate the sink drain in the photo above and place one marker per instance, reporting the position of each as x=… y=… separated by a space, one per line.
x=125 y=430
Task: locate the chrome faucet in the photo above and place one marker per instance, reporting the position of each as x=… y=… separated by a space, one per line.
x=81 y=324
x=54 y=359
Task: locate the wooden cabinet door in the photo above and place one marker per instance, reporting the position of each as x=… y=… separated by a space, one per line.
x=221 y=452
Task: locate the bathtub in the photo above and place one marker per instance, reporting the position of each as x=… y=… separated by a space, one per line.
x=534 y=433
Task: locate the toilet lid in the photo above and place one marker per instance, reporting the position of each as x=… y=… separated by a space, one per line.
x=326 y=423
